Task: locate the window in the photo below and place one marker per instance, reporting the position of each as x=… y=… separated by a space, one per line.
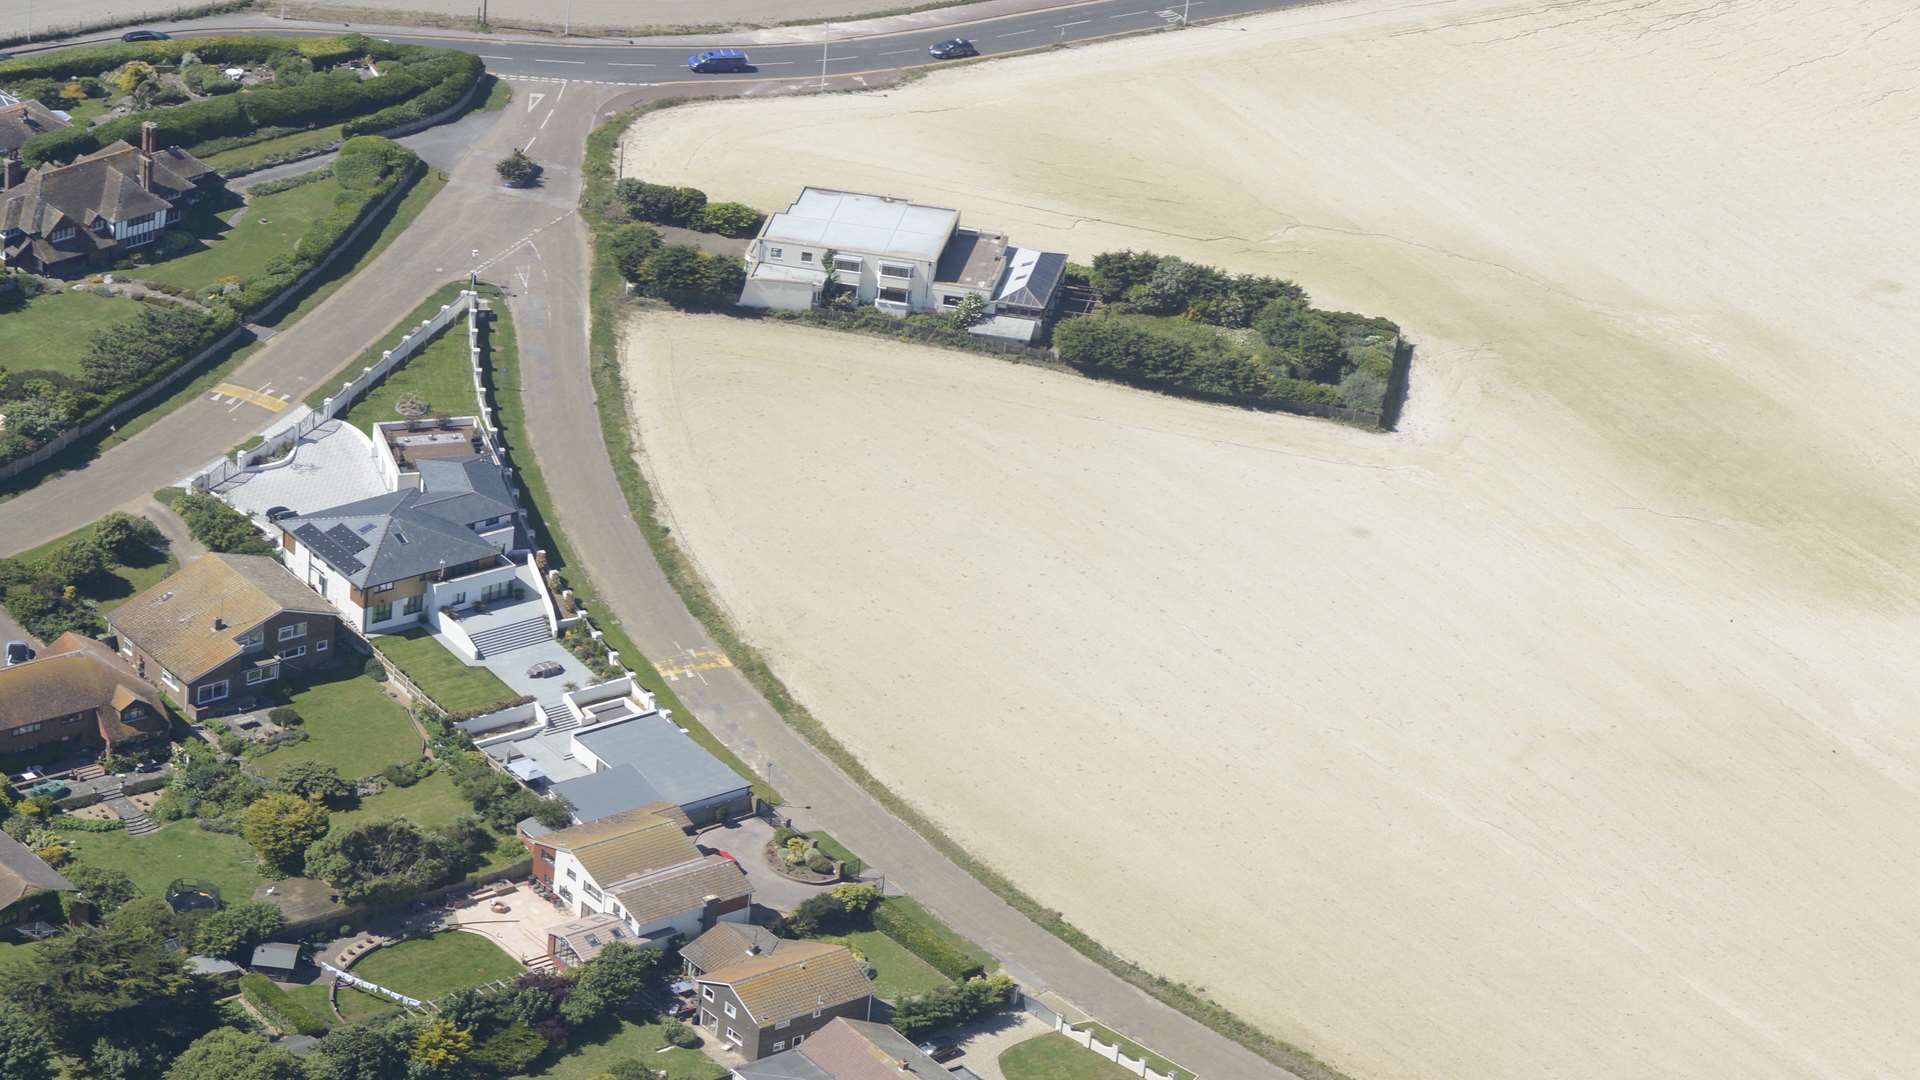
x=591 y=891
x=135 y=711
x=779 y=1044
x=76 y=718
x=28 y=729
x=214 y=691
x=293 y=630
x=320 y=646
x=166 y=678
x=797 y=1038
x=495 y=591
x=294 y=653
x=776 y=253
x=781 y=1024
x=806 y=256
x=850 y=263
x=730 y=1013
x=896 y=270
x=733 y=1036
x=459 y=598
x=571 y=876
x=388 y=587
x=949 y=301
x=126 y=648
x=894 y=296
x=816 y=1014
x=256 y=676
x=381 y=611
x=707 y=992
x=413 y=605
x=253 y=639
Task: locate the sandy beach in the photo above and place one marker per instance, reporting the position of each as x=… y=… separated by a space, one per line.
x=1564 y=732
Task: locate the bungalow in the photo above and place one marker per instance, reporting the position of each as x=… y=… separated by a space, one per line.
x=901 y=258
x=762 y=1003
x=64 y=218
x=848 y=1050
x=641 y=867
x=22 y=120
x=76 y=695
x=447 y=535
x=24 y=879
x=223 y=628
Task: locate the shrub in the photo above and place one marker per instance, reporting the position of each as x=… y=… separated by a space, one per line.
x=680 y=1035
x=123 y=537
x=818 y=862
x=516 y=169
x=509 y=1051
x=916 y=930
x=73 y=561
x=730 y=219
x=782 y=835
x=661 y=204
x=277 y=1007
x=285 y=716
x=950 y=1006
x=629 y=246
x=374 y=669
x=221 y=527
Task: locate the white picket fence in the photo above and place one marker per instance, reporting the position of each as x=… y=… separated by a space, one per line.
x=1111 y=1051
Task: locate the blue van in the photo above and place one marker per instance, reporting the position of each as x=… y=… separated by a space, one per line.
x=718 y=60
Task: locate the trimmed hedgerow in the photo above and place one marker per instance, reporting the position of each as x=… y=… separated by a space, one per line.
x=277 y=1007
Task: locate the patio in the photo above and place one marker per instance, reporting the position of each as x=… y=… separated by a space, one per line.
x=331 y=465
x=520 y=930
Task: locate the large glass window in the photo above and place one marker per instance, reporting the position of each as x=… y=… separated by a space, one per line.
x=380 y=612
x=413 y=605
x=216 y=691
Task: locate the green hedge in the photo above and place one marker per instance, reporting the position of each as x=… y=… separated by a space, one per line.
x=903 y=919
x=417 y=84
x=277 y=1007
x=225 y=51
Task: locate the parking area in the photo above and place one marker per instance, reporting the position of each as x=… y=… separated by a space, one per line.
x=331 y=465
x=982 y=1044
x=746 y=841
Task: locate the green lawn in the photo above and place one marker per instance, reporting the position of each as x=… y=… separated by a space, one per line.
x=314 y=996
x=443 y=295
x=1135 y=1050
x=430 y=802
x=121 y=581
x=909 y=911
x=592 y=1050
x=896 y=972
x=429 y=967
x=445 y=677
x=1056 y=1057
x=51 y=332
x=499 y=93
x=350 y=724
x=242 y=158
x=237 y=242
x=179 y=850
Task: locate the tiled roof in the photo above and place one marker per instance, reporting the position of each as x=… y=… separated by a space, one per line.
x=22 y=121
x=684 y=887
x=174 y=620
x=730 y=941
x=623 y=845
x=73 y=675
x=801 y=977
x=22 y=873
x=861 y=1050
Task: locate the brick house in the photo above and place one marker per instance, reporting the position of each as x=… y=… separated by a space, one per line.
x=26 y=884
x=763 y=1002
x=22 y=120
x=78 y=695
x=641 y=867
x=848 y=1050
x=62 y=219
x=224 y=629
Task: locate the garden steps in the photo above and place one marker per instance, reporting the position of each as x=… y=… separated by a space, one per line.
x=505 y=639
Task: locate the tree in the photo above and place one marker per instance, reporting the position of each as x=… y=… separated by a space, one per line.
x=124 y=537
x=144 y=915
x=282 y=826
x=509 y=1051
x=516 y=169
x=231 y=1054
x=383 y=860
x=106 y=889
x=94 y=983
x=629 y=246
x=25 y=1050
x=233 y=932
x=948 y=1006
x=73 y=561
x=1308 y=345
x=660 y=203
x=619 y=974
x=675 y=270
x=970 y=311
x=731 y=219
x=221 y=527
x=372 y=1050
x=440 y=1048
x=315 y=780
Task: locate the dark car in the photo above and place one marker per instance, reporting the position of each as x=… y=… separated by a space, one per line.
x=144 y=35
x=714 y=60
x=18 y=652
x=952 y=49
x=941 y=1053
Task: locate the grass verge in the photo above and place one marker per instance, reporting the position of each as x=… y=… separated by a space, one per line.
x=437 y=373
x=120 y=581
x=606 y=294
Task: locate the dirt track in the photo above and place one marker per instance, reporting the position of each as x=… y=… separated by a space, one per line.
x=1566 y=732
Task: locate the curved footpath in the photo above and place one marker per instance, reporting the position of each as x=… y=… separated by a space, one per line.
x=534 y=244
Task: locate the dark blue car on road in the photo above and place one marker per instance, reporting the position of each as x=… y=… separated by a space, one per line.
x=718 y=60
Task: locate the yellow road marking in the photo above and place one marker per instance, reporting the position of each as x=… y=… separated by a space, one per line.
x=696 y=661
x=252 y=397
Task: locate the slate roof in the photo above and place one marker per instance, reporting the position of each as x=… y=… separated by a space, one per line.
x=387 y=538
x=801 y=977
x=666 y=893
x=465 y=490
x=23 y=874
x=173 y=620
x=1032 y=278
x=625 y=844
x=105 y=184
x=76 y=674
x=22 y=121
x=864 y=224
x=862 y=1050
x=727 y=942
x=606 y=792
x=674 y=765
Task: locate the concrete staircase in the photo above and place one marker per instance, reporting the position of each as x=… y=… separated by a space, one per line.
x=89 y=772
x=559 y=717
x=138 y=823
x=538 y=962
x=505 y=639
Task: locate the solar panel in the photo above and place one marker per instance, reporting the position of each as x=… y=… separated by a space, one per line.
x=348 y=540
x=327 y=546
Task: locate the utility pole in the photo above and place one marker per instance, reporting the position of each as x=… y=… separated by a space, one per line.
x=824 y=45
x=1185 y=9
x=567 y=30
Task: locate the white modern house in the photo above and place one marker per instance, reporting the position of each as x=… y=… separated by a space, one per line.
x=899 y=257
x=641 y=867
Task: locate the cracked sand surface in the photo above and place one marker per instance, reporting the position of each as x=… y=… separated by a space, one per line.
x=1566 y=732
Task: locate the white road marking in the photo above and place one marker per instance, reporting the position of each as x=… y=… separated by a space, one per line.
x=529 y=145
x=897 y=52
x=616 y=63
x=533 y=100
x=1076 y=22
x=544 y=60
x=484 y=56
x=832 y=59
x=1015 y=33
x=1129 y=14
x=563 y=92
x=543 y=123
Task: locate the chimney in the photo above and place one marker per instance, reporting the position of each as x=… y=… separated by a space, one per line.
x=219 y=623
x=147 y=129
x=146 y=174
x=12 y=173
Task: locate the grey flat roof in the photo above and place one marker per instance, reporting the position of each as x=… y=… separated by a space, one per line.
x=972 y=258
x=277 y=954
x=866 y=224
x=673 y=764
x=608 y=791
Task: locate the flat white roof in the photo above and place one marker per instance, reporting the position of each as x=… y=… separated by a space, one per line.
x=867 y=224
